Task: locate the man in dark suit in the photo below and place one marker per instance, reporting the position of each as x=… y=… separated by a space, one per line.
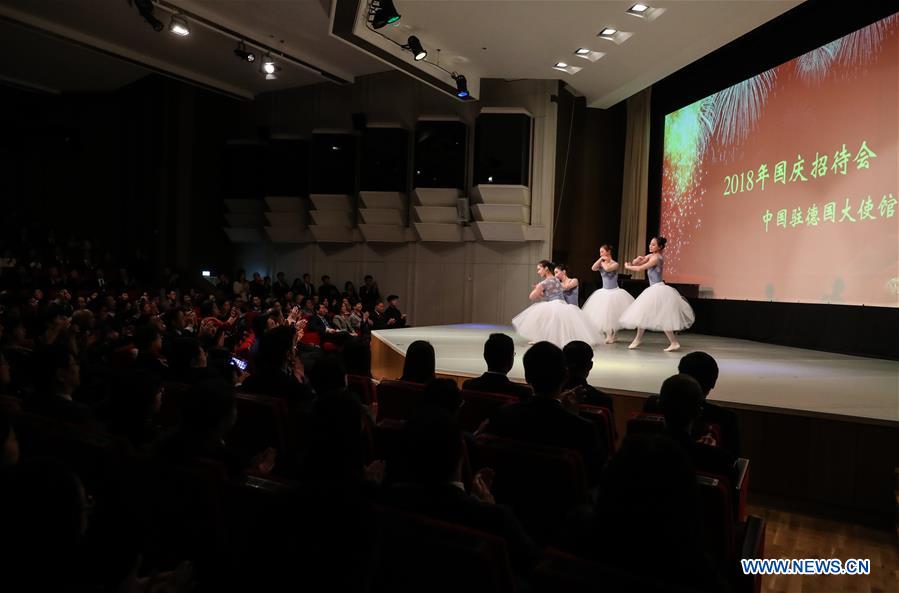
x=57 y=375
x=579 y=360
x=680 y=400
x=307 y=288
x=369 y=294
x=704 y=369
x=392 y=312
x=544 y=418
x=434 y=455
x=319 y=324
x=328 y=291
x=378 y=318
x=280 y=287
x=499 y=354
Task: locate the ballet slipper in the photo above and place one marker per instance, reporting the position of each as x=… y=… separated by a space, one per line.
x=633 y=345
x=673 y=347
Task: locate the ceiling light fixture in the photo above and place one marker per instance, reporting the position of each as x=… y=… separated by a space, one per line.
x=269 y=67
x=382 y=13
x=241 y=52
x=178 y=26
x=414 y=45
x=638 y=8
x=608 y=32
x=560 y=65
x=582 y=51
x=461 y=85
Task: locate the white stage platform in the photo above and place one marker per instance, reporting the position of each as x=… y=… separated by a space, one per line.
x=753 y=374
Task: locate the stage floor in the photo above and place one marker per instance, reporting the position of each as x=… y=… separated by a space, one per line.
x=753 y=374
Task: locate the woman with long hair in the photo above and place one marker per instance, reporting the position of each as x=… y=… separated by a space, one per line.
x=606 y=305
x=659 y=307
x=550 y=318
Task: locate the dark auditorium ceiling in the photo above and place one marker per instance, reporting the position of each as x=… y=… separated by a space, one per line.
x=71 y=45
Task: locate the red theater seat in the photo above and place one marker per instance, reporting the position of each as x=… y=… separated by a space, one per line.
x=398 y=400
x=423 y=554
x=605 y=425
x=645 y=423
x=262 y=421
x=728 y=540
x=364 y=387
x=95 y=457
x=173 y=395
x=480 y=406
x=540 y=483
x=559 y=571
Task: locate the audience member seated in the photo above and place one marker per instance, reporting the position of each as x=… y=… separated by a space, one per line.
x=443 y=394
x=579 y=360
x=341 y=320
x=349 y=293
x=9 y=444
x=545 y=418
x=369 y=294
x=336 y=443
x=148 y=341
x=188 y=361
x=393 y=317
x=419 y=365
x=377 y=317
x=277 y=371
x=357 y=358
x=434 y=456
x=44 y=513
x=680 y=401
x=704 y=369
x=208 y=412
x=646 y=519
x=57 y=375
x=132 y=403
x=328 y=291
x=499 y=354
x=327 y=375
x=320 y=325
x=358 y=320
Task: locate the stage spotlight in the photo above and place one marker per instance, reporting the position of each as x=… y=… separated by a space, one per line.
x=383 y=13
x=178 y=25
x=461 y=86
x=145 y=8
x=270 y=68
x=414 y=46
x=241 y=52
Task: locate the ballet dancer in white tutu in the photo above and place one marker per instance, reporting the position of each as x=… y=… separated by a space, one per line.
x=550 y=318
x=569 y=285
x=606 y=305
x=659 y=307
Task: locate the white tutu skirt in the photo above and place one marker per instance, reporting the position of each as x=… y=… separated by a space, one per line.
x=659 y=308
x=606 y=306
x=556 y=322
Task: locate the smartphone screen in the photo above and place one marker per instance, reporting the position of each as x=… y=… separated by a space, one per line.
x=241 y=364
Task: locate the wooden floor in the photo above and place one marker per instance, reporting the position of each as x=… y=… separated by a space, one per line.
x=795 y=535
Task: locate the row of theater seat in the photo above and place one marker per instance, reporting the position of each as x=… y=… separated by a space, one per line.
x=197 y=513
